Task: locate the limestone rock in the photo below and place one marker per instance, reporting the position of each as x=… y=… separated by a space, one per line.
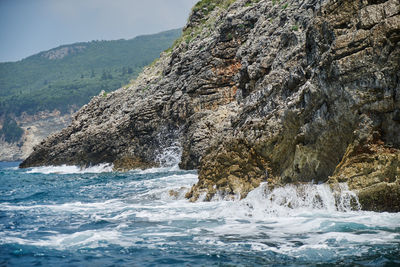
x=372 y=170
x=258 y=91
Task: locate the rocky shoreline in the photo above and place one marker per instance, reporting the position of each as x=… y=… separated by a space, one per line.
x=259 y=91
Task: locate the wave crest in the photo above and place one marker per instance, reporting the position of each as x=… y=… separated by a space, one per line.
x=70 y=169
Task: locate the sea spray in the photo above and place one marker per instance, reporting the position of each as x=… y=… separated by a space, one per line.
x=346 y=199
x=170 y=156
x=293 y=198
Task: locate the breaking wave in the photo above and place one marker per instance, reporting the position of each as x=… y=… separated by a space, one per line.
x=68 y=169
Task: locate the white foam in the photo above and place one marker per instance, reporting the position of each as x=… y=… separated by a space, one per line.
x=12 y=168
x=168 y=159
x=156 y=170
x=68 y=169
x=310 y=214
x=84 y=239
x=297 y=199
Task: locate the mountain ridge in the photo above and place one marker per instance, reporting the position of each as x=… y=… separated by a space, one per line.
x=50 y=85
x=77 y=72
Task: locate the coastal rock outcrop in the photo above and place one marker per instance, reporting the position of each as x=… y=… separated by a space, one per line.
x=260 y=91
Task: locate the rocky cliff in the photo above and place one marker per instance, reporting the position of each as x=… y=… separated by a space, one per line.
x=36 y=128
x=276 y=91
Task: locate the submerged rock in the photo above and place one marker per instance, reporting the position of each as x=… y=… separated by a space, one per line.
x=283 y=92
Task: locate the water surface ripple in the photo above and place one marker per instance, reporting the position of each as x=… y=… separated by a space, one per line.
x=95 y=217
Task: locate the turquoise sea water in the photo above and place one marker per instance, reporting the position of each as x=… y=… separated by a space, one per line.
x=64 y=216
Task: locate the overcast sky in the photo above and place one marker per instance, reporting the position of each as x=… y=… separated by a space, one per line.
x=30 y=26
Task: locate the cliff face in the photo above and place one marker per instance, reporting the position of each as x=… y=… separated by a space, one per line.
x=320 y=92
x=277 y=91
x=36 y=128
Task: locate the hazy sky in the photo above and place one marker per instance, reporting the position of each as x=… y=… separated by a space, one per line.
x=30 y=26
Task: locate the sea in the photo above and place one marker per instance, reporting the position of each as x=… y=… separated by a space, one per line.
x=68 y=216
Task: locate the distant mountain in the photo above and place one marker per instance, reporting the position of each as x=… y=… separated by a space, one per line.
x=68 y=76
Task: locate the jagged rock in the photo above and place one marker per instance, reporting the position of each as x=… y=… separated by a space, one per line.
x=312 y=93
x=372 y=170
x=284 y=92
x=234 y=169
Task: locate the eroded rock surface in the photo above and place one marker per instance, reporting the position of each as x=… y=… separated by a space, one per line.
x=314 y=92
x=277 y=91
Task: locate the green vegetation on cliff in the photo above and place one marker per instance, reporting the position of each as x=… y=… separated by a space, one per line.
x=11 y=132
x=68 y=76
x=201 y=10
x=209 y=5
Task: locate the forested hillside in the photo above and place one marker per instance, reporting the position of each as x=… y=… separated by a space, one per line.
x=68 y=76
